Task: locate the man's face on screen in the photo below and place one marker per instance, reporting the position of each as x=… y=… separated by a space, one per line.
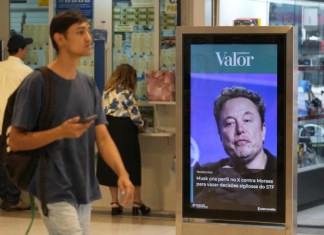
x=241 y=131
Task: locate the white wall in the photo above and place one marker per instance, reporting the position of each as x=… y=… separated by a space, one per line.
x=198 y=9
x=101 y=12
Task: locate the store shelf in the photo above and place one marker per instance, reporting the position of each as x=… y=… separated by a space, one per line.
x=310 y=168
x=310 y=68
x=156 y=134
x=159 y=132
x=311 y=117
x=146 y=103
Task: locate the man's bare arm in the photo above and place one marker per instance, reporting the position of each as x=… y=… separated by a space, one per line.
x=20 y=140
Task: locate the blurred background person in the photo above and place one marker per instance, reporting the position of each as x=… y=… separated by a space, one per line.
x=12 y=72
x=124 y=121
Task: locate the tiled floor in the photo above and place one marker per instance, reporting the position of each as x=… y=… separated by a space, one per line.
x=313 y=216
x=16 y=223
x=311 y=221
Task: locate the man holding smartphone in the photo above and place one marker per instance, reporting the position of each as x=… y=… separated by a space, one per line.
x=71 y=183
x=89 y=118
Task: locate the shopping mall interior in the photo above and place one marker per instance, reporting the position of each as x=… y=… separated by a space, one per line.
x=143 y=33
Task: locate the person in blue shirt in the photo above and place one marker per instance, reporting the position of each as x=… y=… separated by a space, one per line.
x=70 y=181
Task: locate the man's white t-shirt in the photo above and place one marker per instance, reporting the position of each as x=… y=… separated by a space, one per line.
x=12 y=72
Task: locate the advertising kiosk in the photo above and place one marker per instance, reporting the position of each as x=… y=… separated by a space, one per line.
x=236 y=136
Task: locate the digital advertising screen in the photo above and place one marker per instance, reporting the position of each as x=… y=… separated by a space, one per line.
x=234 y=127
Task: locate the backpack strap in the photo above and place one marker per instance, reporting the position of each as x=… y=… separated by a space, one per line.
x=47 y=112
x=45 y=122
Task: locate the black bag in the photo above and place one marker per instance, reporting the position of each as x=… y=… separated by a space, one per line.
x=21 y=166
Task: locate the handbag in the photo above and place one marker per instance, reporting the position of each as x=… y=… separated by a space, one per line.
x=21 y=166
x=160 y=85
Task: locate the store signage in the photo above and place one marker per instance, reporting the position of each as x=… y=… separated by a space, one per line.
x=123 y=28
x=170 y=7
x=234 y=59
x=237 y=59
x=85 y=6
x=43 y=3
x=100 y=34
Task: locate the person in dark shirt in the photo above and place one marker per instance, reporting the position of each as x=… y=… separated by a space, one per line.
x=69 y=144
x=236 y=183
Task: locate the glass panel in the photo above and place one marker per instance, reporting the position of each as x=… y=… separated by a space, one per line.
x=308 y=17
x=209 y=13
x=133 y=38
x=30 y=19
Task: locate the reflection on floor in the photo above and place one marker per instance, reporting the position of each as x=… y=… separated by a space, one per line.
x=16 y=223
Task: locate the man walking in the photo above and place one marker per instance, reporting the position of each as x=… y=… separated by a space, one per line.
x=70 y=181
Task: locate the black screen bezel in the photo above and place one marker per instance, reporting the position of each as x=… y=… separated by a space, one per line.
x=230 y=215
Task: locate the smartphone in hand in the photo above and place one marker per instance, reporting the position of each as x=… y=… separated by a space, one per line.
x=89 y=118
